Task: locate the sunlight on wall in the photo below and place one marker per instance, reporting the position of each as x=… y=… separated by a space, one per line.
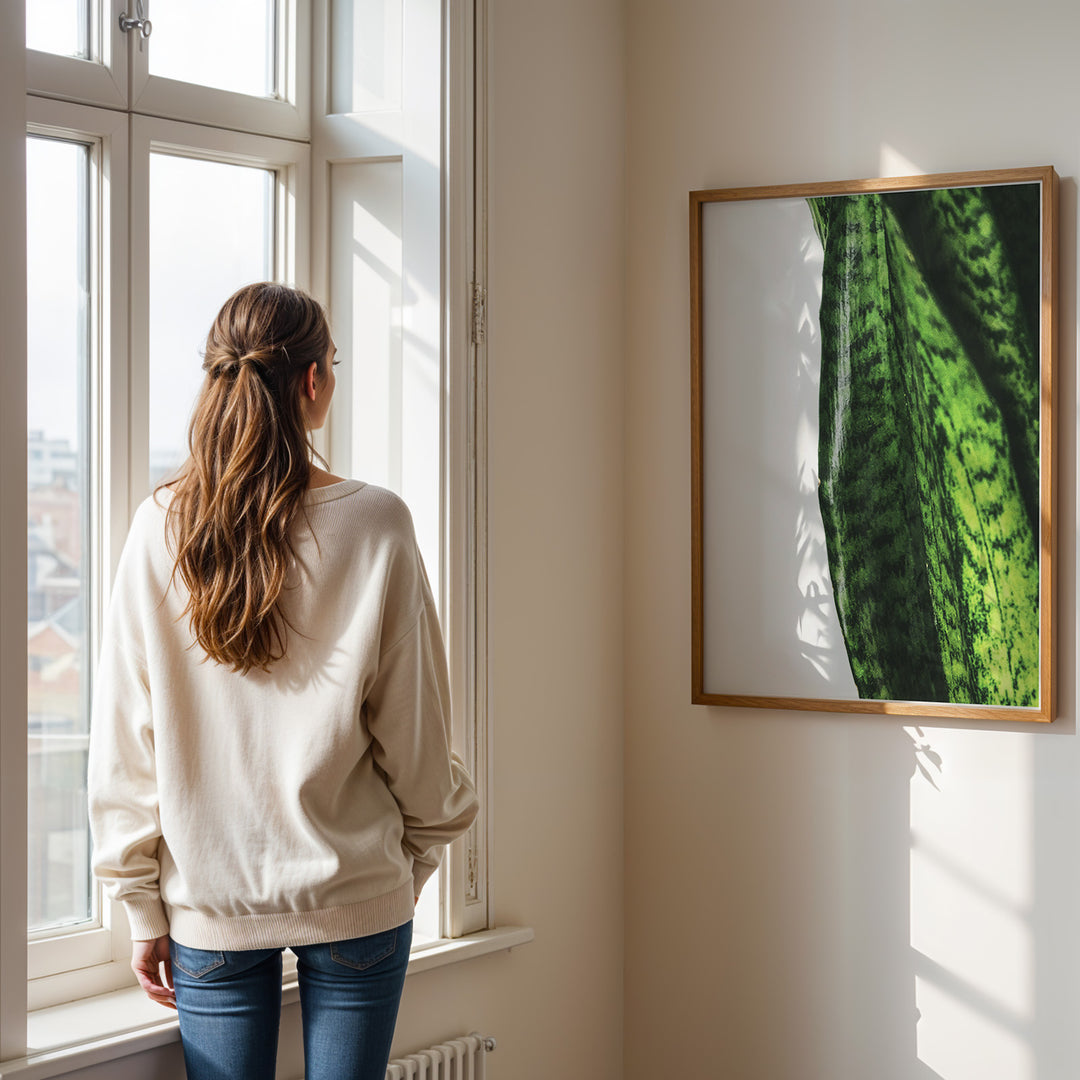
x=893 y=163
x=971 y=901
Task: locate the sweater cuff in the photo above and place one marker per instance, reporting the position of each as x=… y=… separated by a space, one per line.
x=146 y=918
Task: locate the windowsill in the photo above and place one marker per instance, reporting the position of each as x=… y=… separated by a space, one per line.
x=83 y=1033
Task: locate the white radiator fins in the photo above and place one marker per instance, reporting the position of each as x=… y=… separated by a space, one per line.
x=458 y=1059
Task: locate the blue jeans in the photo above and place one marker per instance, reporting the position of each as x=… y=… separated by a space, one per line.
x=230 y=1007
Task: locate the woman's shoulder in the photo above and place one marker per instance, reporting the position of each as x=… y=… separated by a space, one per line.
x=145 y=553
x=151 y=512
x=376 y=504
x=390 y=506
x=363 y=520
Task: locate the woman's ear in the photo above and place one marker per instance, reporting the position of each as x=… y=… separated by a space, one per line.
x=309 y=380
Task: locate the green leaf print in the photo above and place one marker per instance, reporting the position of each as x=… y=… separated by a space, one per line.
x=928 y=453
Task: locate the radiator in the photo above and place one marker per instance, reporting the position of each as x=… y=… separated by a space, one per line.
x=456 y=1059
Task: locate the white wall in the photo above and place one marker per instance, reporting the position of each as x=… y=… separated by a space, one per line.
x=811 y=896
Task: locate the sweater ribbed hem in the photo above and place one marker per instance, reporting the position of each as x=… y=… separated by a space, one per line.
x=282 y=929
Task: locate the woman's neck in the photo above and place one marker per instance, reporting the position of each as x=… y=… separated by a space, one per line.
x=321 y=478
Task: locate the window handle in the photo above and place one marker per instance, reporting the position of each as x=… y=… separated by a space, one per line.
x=142 y=24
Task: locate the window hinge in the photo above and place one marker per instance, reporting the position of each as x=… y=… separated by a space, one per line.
x=479 y=313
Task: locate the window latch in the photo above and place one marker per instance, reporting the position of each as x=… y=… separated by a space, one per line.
x=142 y=24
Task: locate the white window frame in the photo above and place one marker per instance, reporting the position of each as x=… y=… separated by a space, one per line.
x=106 y=82
x=469 y=906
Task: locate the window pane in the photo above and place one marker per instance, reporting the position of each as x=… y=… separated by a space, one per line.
x=58 y=26
x=228 y=46
x=58 y=502
x=211 y=231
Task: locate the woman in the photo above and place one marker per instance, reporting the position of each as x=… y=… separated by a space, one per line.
x=270 y=759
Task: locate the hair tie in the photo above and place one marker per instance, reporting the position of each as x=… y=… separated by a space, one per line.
x=230 y=364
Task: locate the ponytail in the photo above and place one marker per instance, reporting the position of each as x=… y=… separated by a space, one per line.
x=237 y=498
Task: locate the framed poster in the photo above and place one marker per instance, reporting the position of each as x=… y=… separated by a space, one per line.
x=872 y=445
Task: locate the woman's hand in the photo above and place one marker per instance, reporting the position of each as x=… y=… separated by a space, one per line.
x=148 y=959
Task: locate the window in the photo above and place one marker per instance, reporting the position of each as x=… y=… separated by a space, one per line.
x=134 y=355
x=142 y=154
x=73 y=233
x=58 y=226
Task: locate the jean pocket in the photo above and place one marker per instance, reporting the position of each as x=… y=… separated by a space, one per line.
x=364 y=952
x=195 y=962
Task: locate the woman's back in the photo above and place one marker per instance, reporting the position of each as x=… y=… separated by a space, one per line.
x=279 y=791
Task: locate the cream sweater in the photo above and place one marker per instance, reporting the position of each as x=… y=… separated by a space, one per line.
x=303 y=805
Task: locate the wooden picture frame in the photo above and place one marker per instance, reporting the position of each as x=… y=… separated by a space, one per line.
x=872 y=445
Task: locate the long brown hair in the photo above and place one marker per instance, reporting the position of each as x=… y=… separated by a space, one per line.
x=242 y=488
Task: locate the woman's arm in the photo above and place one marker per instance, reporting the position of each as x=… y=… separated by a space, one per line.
x=408 y=713
x=122 y=777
